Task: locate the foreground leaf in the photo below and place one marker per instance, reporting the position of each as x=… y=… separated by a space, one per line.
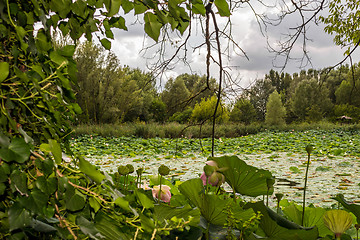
x=245 y=179
x=276 y=227
x=90 y=170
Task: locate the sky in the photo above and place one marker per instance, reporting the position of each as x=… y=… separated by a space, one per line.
x=129 y=47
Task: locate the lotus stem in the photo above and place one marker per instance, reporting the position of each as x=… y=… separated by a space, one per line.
x=159 y=197
x=309 y=149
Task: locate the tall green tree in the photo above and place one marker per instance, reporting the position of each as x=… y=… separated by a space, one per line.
x=258 y=95
x=311 y=101
x=275 y=111
x=204 y=111
x=175 y=95
x=243 y=111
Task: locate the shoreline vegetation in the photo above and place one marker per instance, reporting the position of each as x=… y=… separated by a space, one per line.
x=177 y=130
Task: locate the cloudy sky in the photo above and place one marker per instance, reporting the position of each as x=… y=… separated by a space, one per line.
x=129 y=45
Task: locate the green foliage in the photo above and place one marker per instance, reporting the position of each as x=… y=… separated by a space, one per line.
x=243 y=112
x=341 y=21
x=175 y=95
x=275 y=111
x=310 y=101
x=205 y=110
x=108 y=93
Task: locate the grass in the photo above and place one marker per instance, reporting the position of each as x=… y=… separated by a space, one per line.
x=176 y=130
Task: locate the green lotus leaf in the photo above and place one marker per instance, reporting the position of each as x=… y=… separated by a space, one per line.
x=338 y=221
x=245 y=179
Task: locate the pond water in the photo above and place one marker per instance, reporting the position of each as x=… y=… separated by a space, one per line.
x=328 y=175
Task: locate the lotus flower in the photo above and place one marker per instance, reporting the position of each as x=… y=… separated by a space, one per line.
x=165 y=194
x=212 y=175
x=338 y=221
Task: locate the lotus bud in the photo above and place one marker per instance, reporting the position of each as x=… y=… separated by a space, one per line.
x=309 y=149
x=163 y=170
x=123 y=170
x=165 y=193
x=208 y=170
x=130 y=168
x=338 y=221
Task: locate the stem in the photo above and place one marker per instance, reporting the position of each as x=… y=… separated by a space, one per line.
x=267 y=198
x=234 y=194
x=159 y=197
x=8 y=9
x=278 y=207
x=304 y=195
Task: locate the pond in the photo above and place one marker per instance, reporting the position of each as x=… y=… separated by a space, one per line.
x=328 y=175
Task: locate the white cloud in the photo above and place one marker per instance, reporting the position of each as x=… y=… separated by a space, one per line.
x=246 y=33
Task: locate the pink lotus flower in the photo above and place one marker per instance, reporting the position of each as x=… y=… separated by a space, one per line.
x=214 y=178
x=165 y=192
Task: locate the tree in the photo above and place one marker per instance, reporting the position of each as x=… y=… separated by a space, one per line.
x=258 y=95
x=175 y=95
x=243 y=112
x=275 y=111
x=204 y=111
x=109 y=93
x=311 y=101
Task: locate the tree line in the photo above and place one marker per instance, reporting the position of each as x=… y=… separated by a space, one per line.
x=110 y=93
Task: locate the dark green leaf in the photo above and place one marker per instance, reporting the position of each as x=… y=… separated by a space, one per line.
x=40 y=226
x=19 y=182
x=75 y=201
x=88 y=228
x=2 y=188
x=18 y=217
x=127 y=6
x=18 y=151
